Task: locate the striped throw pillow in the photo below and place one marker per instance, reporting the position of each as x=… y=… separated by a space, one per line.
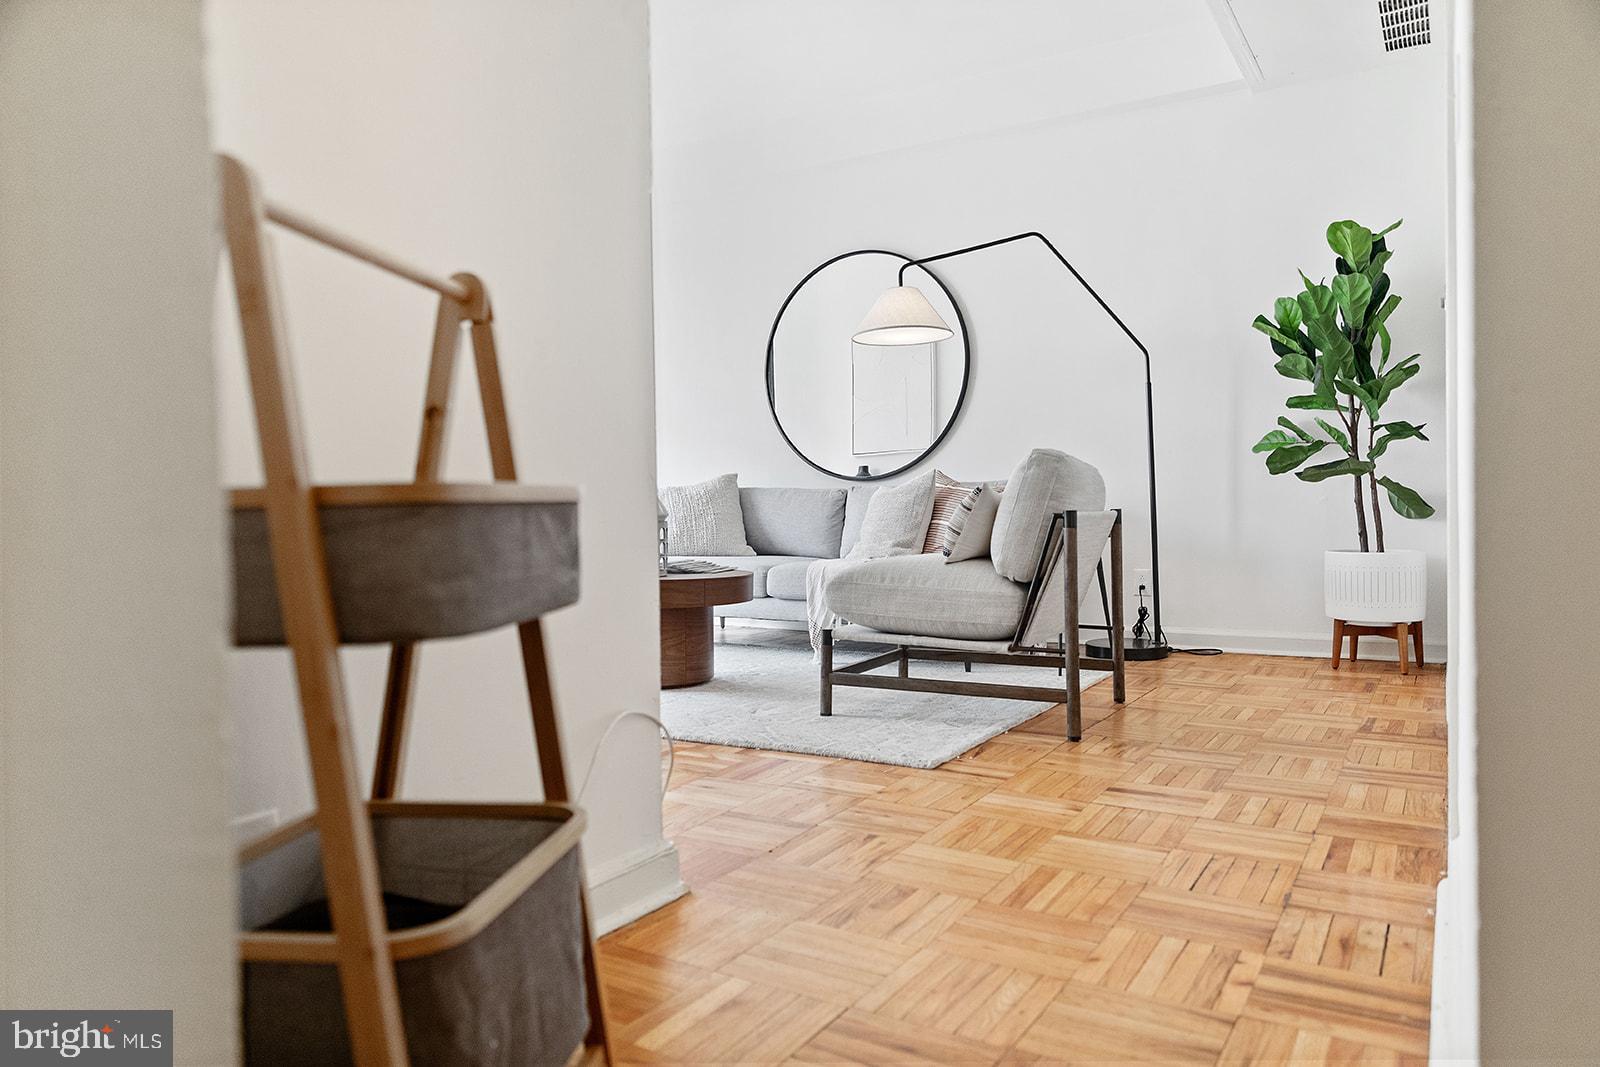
x=973 y=524
x=948 y=496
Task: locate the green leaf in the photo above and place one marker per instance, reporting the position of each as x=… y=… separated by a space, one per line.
x=1401 y=428
x=1292 y=341
x=1312 y=402
x=1406 y=502
x=1323 y=471
x=1316 y=302
x=1380 y=259
x=1286 y=309
x=1352 y=293
x=1352 y=241
x=1288 y=457
x=1292 y=427
x=1380 y=293
x=1296 y=366
x=1385 y=310
x=1395 y=225
x=1327 y=336
x=1334 y=432
x=1395 y=377
x=1274 y=439
x=1384 y=343
x=1394 y=431
x=1357 y=390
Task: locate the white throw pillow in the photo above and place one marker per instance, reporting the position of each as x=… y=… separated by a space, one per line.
x=969 y=529
x=896 y=522
x=705 y=519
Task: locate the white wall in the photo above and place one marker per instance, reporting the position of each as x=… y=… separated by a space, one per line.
x=1189 y=216
x=510 y=139
x=116 y=875
x=1538 y=803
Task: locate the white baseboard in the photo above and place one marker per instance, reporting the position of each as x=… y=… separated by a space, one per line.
x=1454 y=1025
x=1315 y=645
x=257 y=824
x=633 y=886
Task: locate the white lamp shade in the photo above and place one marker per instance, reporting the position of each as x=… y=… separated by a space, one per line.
x=902 y=316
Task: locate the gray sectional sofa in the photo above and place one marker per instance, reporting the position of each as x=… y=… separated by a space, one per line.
x=790 y=529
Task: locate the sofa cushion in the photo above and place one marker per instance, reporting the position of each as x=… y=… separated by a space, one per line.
x=855 y=513
x=793 y=522
x=787 y=581
x=921 y=594
x=759 y=566
x=1046 y=482
x=705 y=518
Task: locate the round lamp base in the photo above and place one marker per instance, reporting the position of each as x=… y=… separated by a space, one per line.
x=1133 y=649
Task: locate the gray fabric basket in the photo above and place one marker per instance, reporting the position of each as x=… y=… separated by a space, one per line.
x=513 y=993
x=408 y=572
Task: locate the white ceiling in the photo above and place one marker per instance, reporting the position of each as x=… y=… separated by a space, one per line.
x=761 y=61
x=1312 y=38
x=745 y=87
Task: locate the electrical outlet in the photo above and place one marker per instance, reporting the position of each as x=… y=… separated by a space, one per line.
x=1141 y=577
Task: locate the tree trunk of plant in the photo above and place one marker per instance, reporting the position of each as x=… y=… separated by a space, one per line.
x=1361 y=511
x=1377 y=512
x=1361 y=515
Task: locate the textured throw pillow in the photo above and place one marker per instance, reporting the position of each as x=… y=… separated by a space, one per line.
x=705 y=519
x=896 y=522
x=973 y=524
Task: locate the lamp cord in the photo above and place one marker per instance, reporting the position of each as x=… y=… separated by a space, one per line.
x=594 y=757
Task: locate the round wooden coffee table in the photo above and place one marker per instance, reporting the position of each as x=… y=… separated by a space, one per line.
x=686 y=642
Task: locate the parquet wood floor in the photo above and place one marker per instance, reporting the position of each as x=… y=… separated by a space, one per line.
x=1237 y=866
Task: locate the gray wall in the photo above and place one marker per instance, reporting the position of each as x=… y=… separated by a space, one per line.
x=1537 y=82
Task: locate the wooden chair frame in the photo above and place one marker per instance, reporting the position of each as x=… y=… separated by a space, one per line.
x=1059 y=554
x=364 y=947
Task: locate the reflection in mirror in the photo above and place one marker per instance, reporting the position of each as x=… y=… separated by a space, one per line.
x=844 y=405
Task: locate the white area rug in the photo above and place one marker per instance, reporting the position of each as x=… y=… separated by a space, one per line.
x=766 y=696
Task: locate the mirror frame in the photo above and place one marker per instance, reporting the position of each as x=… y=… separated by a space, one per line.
x=961 y=397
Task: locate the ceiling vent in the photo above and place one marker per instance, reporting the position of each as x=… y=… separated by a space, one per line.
x=1404 y=23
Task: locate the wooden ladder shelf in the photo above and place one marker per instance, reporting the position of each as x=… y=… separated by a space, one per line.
x=307 y=595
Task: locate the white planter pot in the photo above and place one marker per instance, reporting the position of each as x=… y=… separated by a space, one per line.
x=1376 y=587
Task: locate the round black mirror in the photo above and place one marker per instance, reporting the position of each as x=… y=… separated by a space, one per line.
x=856 y=411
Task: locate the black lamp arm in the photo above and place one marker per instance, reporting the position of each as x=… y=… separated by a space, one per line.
x=1149 y=402
x=1098 y=299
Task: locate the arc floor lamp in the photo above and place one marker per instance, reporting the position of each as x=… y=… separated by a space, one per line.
x=903 y=316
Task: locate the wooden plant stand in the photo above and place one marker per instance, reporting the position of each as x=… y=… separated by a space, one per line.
x=296 y=510
x=1400 y=632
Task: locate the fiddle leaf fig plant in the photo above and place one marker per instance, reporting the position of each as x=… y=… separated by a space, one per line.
x=1332 y=339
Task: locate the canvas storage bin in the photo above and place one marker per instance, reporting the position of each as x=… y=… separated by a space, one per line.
x=498 y=981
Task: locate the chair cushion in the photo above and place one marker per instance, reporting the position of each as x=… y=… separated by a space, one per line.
x=705 y=518
x=759 y=566
x=787 y=581
x=1046 y=482
x=921 y=594
x=793 y=522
